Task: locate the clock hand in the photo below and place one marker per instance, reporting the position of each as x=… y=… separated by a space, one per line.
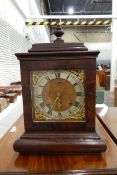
x=57 y=102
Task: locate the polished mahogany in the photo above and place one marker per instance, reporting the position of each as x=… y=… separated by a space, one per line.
x=63 y=137
x=11 y=161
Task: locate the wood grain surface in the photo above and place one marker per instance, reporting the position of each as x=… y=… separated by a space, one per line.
x=10 y=161
x=108 y=118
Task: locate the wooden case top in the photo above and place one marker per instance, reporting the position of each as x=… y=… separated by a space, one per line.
x=49 y=47
x=52 y=50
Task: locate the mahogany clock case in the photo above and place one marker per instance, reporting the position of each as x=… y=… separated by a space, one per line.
x=64 y=136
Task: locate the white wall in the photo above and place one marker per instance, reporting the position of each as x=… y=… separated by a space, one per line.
x=105 y=51
x=29 y=8
x=13 y=14
x=95 y=38
x=10 y=14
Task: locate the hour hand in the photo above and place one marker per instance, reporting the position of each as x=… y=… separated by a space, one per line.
x=57 y=101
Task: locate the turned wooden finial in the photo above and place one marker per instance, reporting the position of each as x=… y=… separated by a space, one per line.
x=58 y=33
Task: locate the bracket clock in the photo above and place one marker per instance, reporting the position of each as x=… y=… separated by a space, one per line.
x=58 y=86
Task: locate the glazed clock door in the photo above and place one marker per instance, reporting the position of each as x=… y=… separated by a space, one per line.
x=58 y=95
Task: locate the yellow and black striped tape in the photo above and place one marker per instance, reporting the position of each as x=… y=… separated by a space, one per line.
x=70 y=23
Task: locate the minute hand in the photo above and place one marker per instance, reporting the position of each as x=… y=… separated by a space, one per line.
x=57 y=102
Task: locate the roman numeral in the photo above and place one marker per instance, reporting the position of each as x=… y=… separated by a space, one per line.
x=39 y=96
x=49 y=112
x=76 y=104
x=41 y=86
x=59 y=114
x=47 y=78
x=42 y=105
x=57 y=74
x=68 y=76
x=78 y=93
x=75 y=84
x=70 y=112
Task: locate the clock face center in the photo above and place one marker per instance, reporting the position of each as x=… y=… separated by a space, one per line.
x=59 y=94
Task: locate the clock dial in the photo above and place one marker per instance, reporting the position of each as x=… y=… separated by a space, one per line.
x=58 y=95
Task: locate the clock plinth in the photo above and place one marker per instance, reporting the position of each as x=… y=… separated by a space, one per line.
x=59 y=143
x=58 y=87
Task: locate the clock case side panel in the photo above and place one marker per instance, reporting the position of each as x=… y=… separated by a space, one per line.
x=74 y=63
x=26 y=95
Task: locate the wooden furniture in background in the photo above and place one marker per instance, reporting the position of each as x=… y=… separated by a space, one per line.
x=10 y=161
x=97 y=80
x=108 y=118
x=11 y=89
x=107 y=82
x=16 y=83
x=115 y=96
x=3 y=103
x=104 y=78
x=102 y=75
x=11 y=97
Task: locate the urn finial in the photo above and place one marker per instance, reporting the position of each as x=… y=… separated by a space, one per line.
x=59 y=33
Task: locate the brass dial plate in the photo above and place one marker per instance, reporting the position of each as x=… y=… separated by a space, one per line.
x=58 y=95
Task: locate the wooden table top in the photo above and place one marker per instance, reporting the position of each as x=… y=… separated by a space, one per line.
x=108 y=118
x=10 y=161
